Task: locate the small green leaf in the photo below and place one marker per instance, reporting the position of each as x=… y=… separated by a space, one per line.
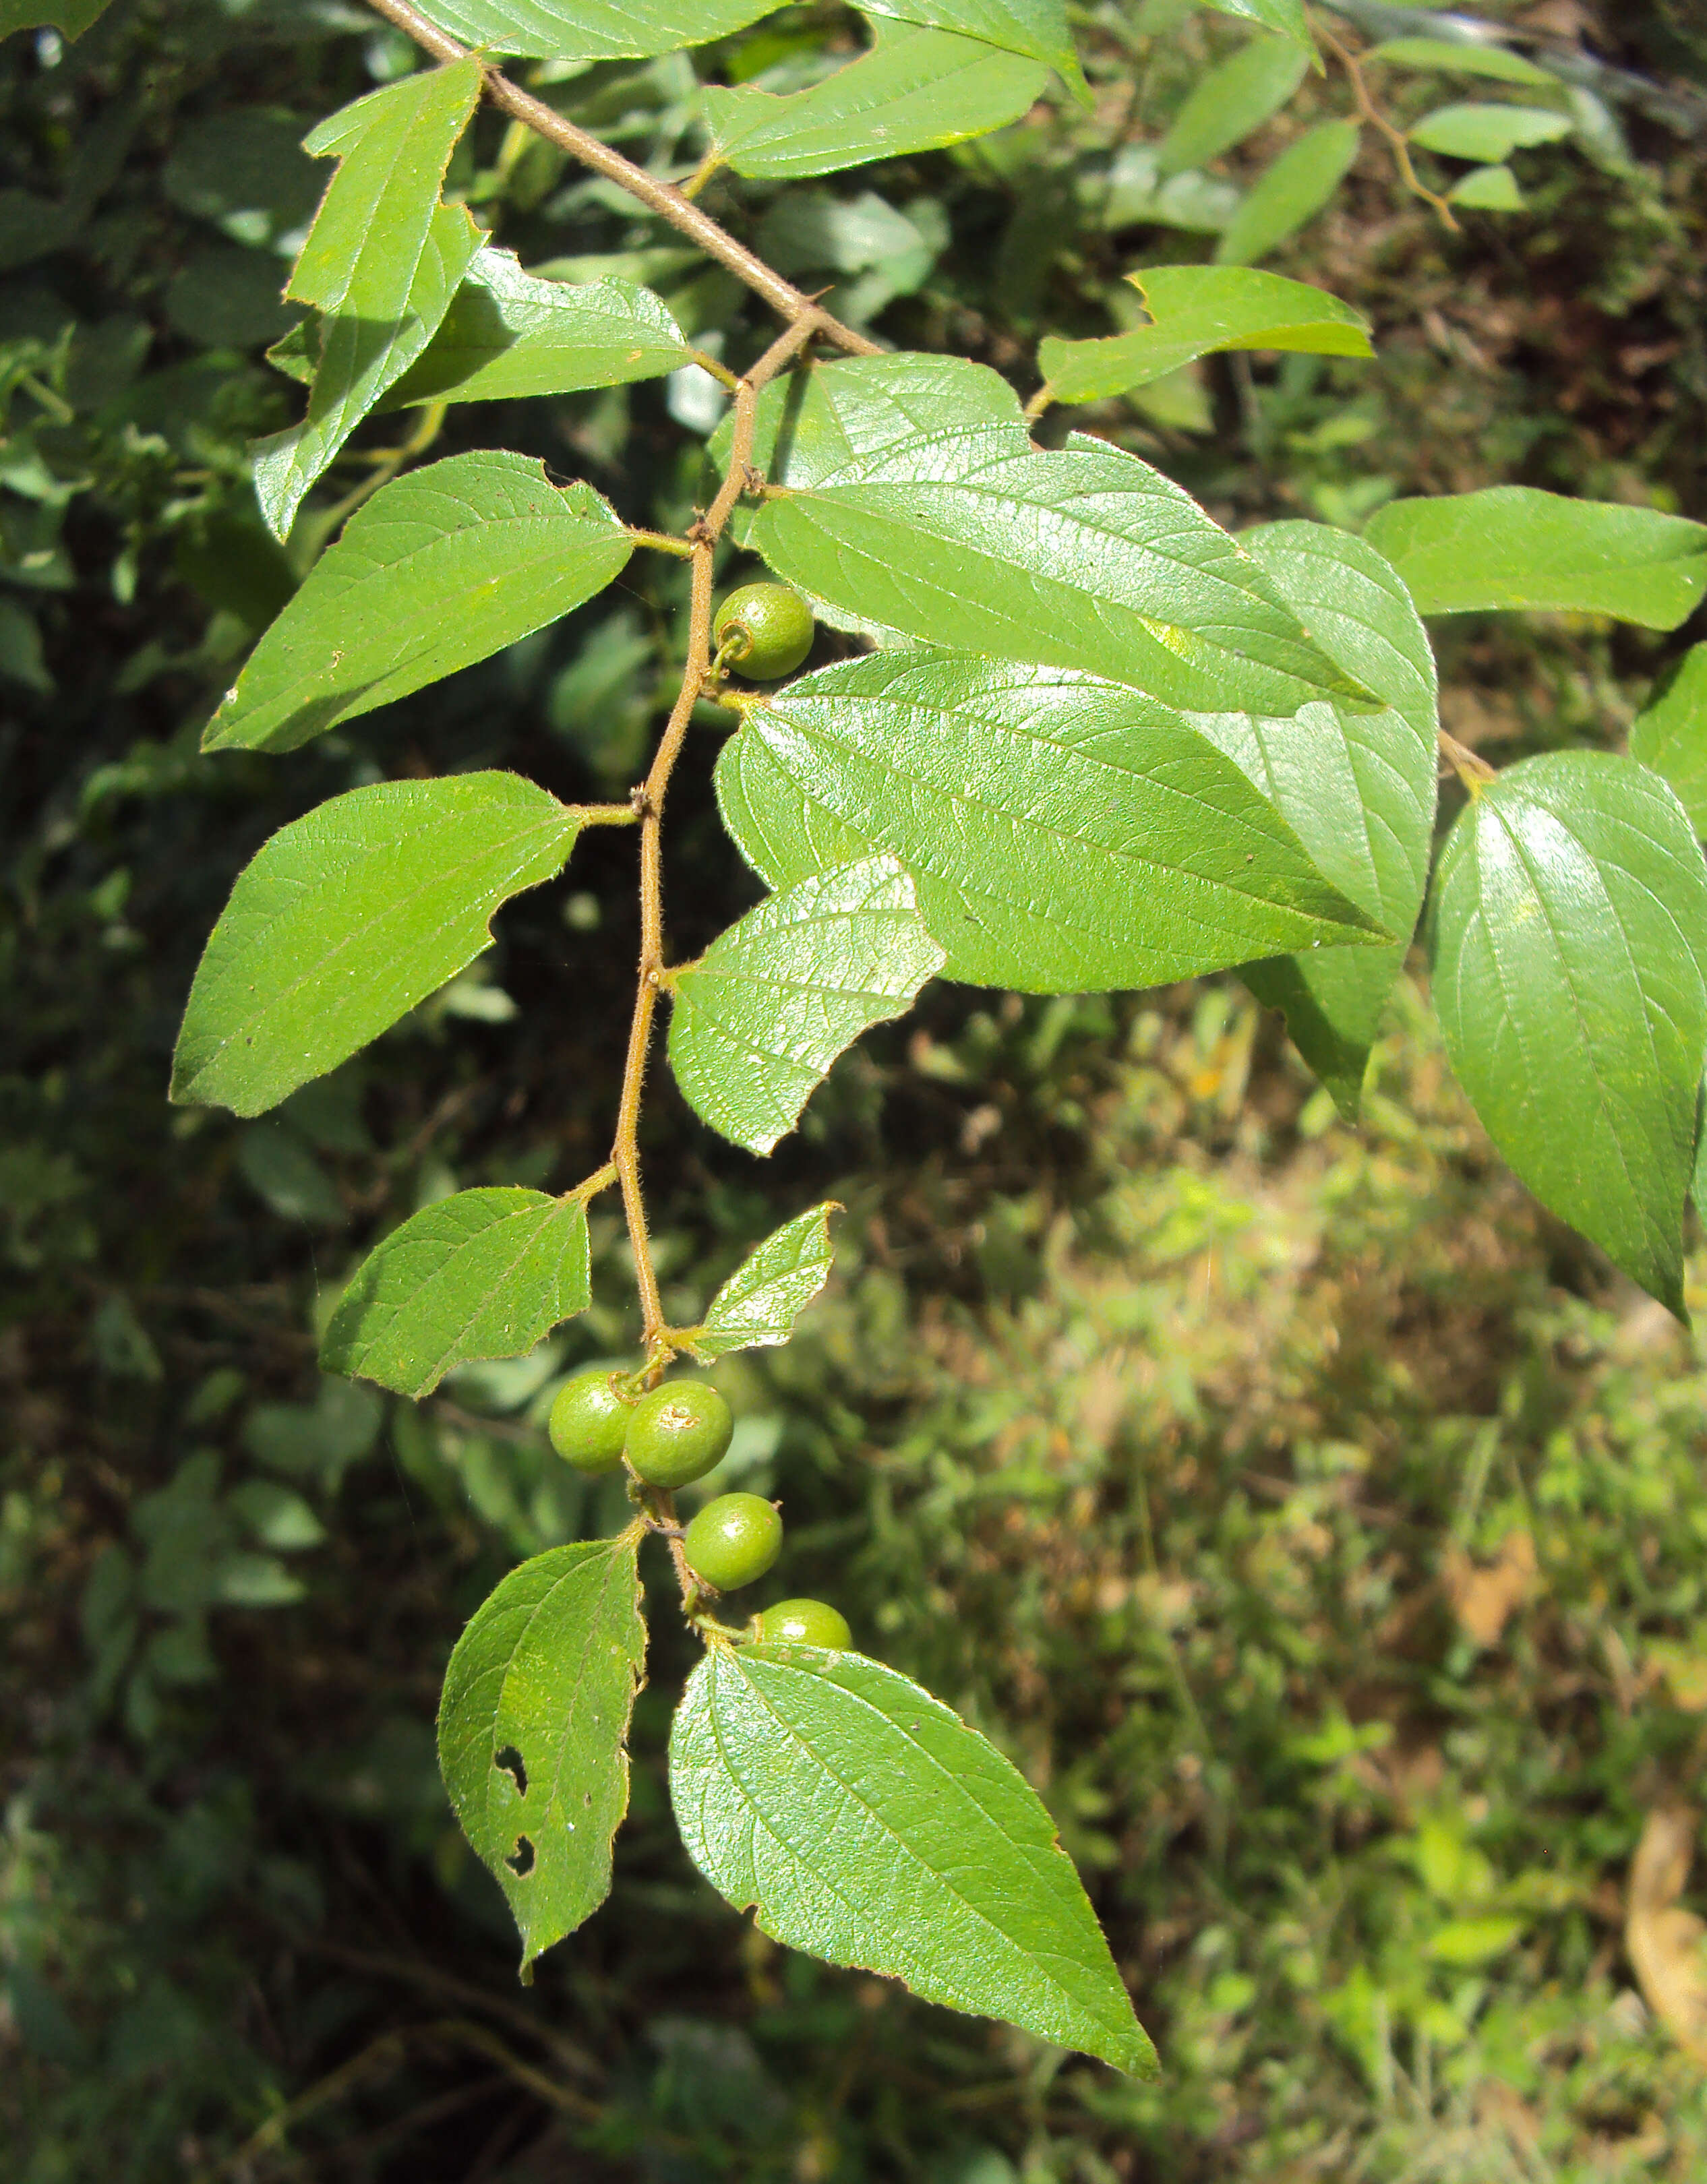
x=1487 y=133
x=347 y=918
x=759 y=1019
x=1231 y=99
x=757 y=1306
x=1671 y=735
x=441 y=568
x=1448 y=58
x=1489 y=189
x=866 y=1824
x=1515 y=546
x=1064 y=834
x=1289 y=191
x=508 y=334
x=533 y=1727
x=485 y=1274
x=1195 y=309
x=916 y=90
x=1568 y=937
x=1285 y=16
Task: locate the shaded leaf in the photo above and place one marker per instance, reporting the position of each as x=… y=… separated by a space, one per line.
x=1449 y=58
x=1671 y=735
x=864 y=1823
x=347 y=918
x=1487 y=133
x=1230 y=99
x=508 y=334
x=1195 y=309
x=1515 y=546
x=1288 y=193
x=757 y=1306
x=1568 y=937
x=758 y=1020
x=533 y=1726
x=485 y=1274
x=441 y=568
x=1489 y=189
x=1064 y=834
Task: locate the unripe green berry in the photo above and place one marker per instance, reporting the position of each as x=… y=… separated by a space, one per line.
x=733 y=1540
x=678 y=1432
x=589 y=1422
x=803 y=1623
x=771 y=628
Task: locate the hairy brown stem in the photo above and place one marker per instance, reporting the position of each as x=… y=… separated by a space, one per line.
x=661 y=197
x=1396 y=140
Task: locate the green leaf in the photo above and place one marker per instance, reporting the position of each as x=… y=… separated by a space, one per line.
x=825 y=421
x=1448 y=58
x=866 y=1824
x=441 y=568
x=533 y=1726
x=380 y=265
x=1489 y=189
x=758 y=1020
x=1195 y=309
x=1487 y=133
x=1569 y=945
x=508 y=334
x=485 y=1274
x=347 y=918
x=1064 y=834
x=915 y=91
x=1285 y=16
x=1231 y=99
x=757 y=1306
x=1036 y=29
x=1358 y=788
x=1288 y=193
x=70 y=17
x=1671 y=735
x=1515 y=546
x=1081 y=556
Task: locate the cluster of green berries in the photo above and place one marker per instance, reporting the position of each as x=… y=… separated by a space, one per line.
x=668 y=1438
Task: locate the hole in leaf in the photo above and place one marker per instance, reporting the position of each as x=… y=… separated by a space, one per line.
x=509 y=1762
x=521 y=1859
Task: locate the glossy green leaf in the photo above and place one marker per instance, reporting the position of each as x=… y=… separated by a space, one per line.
x=826 y=421
x=1487 y=133
x=380 y=265
x=758 y=1020
x=1489 y=189
x=348 y=917
x=1081 y=556
x=1285 y=16
x=1514 y=546
x=1671 y=735
x=1358 y=788
x=485 y=1274
x=1037 y=29
x=864 y=1823
x=1229 y=100
x=916 y=90
x=533 y=1728
x=757 y=1306
x=1195 y=309
x=1064 y=834
x=509 y=334
x=1288 y=193
x=1449 y=58
x=1568 y=938
x=442 y=567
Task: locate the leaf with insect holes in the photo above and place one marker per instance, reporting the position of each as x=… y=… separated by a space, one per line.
x=1063 y=834
x=757 y=1306
x=1515 y=546
x=533 y=1727
x=758 y=1020
x=1568 y=942
x=484 y=1274
x=509 y=334
x=863 y=1822
x=348 y=917
x=441 y=568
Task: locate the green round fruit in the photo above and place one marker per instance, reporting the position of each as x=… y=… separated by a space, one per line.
x=678 y=1432
x=589 y=1422
x=771 y=628
x=733 y=1540
x=803 y=1623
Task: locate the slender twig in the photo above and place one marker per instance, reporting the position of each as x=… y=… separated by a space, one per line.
x=1396 y=137
x=661 y=198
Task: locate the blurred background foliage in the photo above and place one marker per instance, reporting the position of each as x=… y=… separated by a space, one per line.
x=1319 y=1525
